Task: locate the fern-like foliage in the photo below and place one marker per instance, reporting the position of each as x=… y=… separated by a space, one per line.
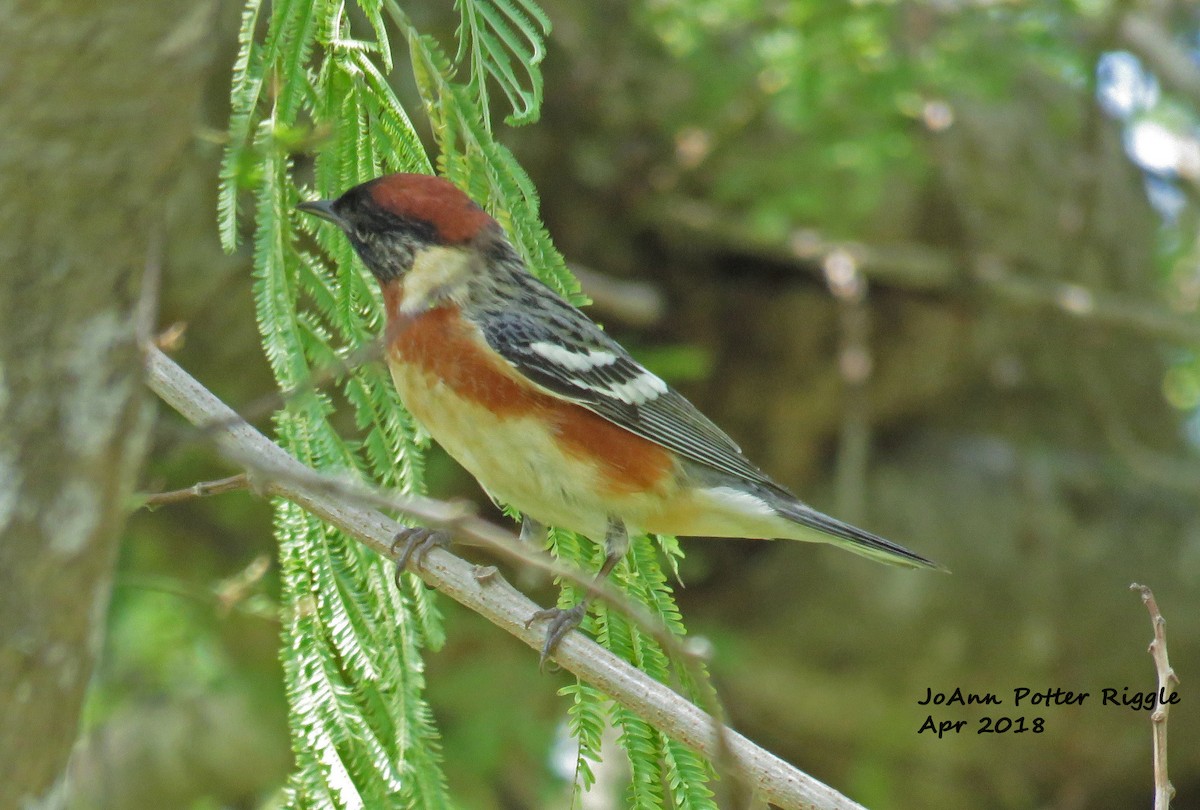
x=305 y=83
x=495 y=35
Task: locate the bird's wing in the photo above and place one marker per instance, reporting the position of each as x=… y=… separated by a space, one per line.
x=564 y=353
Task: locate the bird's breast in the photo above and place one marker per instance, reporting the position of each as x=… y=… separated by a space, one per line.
x=549 y=457
x=439 y=347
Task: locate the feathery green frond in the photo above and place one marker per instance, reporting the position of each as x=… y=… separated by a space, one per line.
x=306 y=81
x=585 y=722
x=491 y=34
x=362 y=731
x=640 y=742
x=244 y=94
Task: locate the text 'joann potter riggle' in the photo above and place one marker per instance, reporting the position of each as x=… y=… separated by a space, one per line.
x=1054 y=696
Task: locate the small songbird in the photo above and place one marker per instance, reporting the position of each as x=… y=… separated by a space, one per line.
x=550 y=414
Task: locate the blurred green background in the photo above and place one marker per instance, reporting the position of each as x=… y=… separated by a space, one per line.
x=934 y=266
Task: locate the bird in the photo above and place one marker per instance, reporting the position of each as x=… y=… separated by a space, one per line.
x=550 y=414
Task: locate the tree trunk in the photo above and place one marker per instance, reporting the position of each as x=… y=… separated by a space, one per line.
x=99 y=106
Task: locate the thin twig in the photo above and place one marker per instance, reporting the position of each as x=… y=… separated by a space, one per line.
x=201 y=489
x=1164 y=791
x=491 y=596
x=171 y=339
x=233 y=591
x=218 y=600
x=316 y=380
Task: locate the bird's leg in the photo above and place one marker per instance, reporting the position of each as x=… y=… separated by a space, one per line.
x=533 y=533
x=416 y=542
x=560 y=621
x=616 y=544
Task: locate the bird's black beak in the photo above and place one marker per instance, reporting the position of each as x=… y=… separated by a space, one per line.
x=322 y=209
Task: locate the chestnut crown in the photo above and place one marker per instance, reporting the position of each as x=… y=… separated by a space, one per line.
x=389 y=218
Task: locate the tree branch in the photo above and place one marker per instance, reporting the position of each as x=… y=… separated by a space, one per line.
x=201 y=489
x=1167 y=681
x=905 y=265
x=915 y=266
x=1086 y=303
x=477 y=589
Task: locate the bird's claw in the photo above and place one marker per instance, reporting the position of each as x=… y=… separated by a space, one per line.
x=559 y=622
x=416 y=542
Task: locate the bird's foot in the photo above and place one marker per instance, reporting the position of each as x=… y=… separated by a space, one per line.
x=414 y=544
x=559 y=622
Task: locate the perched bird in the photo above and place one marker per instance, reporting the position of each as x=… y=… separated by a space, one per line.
x=550 y=414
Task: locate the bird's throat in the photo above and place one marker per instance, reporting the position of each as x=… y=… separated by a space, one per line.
x=440 y=275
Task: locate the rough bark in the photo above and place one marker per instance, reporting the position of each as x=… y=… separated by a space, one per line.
x=99 y=107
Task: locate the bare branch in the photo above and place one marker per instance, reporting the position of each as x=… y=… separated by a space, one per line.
x=269 y=403
x=201 y=489
x=477 y=589
x=1167 y=682
x=457 y=519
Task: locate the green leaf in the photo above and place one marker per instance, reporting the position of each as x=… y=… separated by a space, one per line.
x=498 y=38
x=244 y=94
x=352 y=646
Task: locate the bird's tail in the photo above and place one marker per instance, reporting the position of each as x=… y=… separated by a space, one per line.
x=848 y=537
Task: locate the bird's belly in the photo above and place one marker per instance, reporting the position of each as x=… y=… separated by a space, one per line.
x=515 y=458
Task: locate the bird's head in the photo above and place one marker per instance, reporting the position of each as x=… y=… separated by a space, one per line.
x=393 y=219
